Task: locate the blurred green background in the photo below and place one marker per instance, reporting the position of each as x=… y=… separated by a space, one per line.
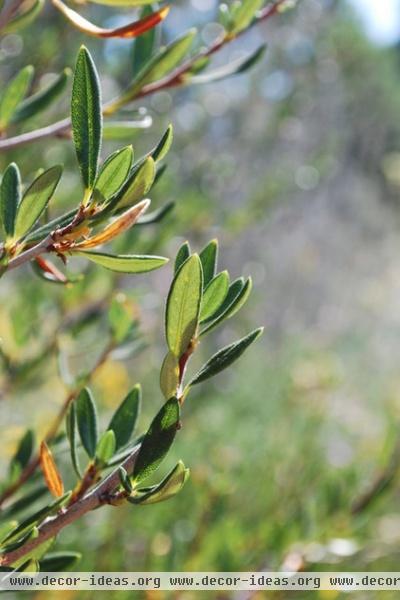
x=296 y=169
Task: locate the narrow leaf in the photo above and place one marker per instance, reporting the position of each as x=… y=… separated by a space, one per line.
x=209 y=257
x=182 y=255
x=105 y=448
x=230 y=306
x=23 y=19
x=124 y=479
x=144 y=45
x=214 y=294
x=50 y=471
x=59 y=561
x=137 y=185
x=86 y=414
x=157 y=440
x=86 y=116
x=236 y=67
x=125 y=417
x=163 y=146
x=125 y=263
x=162 y=63
x=14 y=94
x=183 y=306
x=35 y=200
x=225 y=357
x=72 y=438
x=169 y=375
x=42 y=99
x=10 y=195
x=244 y=13
x=130 y=30
x=169 y=487
x=125 y=130
x=113 y=173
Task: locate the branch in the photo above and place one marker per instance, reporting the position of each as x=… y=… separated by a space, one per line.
x=100 y=496
x=174 y=79
x=52 y=432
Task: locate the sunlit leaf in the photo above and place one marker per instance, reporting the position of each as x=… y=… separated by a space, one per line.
x=113 y=173
x=225 y=357
x=209 y=257
x=86 y=116
x=13 y=94
x=125 y=263
x=169 y=375
x=157 y=440
x=35 y=200
x=169 y=487
x=183 y=306
x=138 y=184
x=125 y=130
x=232 y=303
x=162 y=148
x=182 y=255
x=243 y=13
x=105 y=448
x=214 y=294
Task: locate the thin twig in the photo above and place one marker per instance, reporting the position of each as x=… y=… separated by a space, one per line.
x=52 y=432
x=100 y=496
x=174 y=79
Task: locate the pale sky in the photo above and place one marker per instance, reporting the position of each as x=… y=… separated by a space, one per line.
x=381 y=19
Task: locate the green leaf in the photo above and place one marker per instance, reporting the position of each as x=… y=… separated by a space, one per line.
x=23 y=19
x=120 y=320
x=70 y=423
x=35 y=200
x=42 y=99
x=231 y=304
x=10 y=195
x=124 y=479
x=209 y=257
x=138 y=184
x=113 y=173
x=156 y=215
x=59 y=561
x=236 y=67
x=37 y=517
x=169 y=487
x=86 y=414
x=214 y=294
x=128 y=263
x=125 y=417
x=183 y=306
x=163 y=146
x=157 y=441
x=160 y=65
x=106 y=447
x=145 y=44
x=169 y=375
x=182 y=255
x=14 y=94
x=24 y=451
x=225 y=357
x=86 y=117
x=243 y=14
